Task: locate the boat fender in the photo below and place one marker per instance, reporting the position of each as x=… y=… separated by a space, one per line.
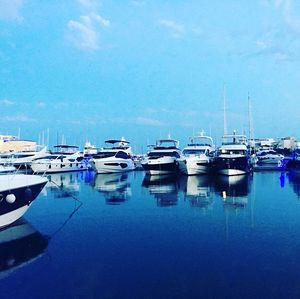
x=10 y=198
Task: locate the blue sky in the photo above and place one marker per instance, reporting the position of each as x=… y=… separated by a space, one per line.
x=143 y=69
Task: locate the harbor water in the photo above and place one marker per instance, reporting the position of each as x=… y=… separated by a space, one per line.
x=133 y=236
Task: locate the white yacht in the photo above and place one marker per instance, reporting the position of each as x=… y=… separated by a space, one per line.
x=268 y=157
x=198 y=155
x=17 y=192
x=22 y=159
x=115 y=157
x=233 y=157
x=66 y=158
x=163 y=158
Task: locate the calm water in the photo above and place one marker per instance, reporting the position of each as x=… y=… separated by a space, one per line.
x=131 y=236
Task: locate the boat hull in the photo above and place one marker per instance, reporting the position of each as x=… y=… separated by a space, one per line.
x=15 y=201
x=56 y=166
x=165 y=165
x=109 y=165
x=195 y=166
x=231 y=166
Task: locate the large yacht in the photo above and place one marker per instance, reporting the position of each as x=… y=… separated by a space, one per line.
x=64 y=158
x=233 y=157
x=269 y=157
x=163 y=157
x=115 y=157
x=198 y=155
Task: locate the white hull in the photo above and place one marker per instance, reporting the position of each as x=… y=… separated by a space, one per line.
x=231 y=172
x=112 y=165
x=194 y=166
x=57 y=166
x=162 y=165
x=11 y=217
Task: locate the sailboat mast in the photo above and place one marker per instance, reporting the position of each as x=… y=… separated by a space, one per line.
x=250 y=120
x=224 y=107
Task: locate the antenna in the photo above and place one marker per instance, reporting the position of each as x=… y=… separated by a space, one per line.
x=224 y=107
x=251 y=133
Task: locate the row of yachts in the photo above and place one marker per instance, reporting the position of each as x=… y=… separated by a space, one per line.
x=200 y=156
x=232 y=159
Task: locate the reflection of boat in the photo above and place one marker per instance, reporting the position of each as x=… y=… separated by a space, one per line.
x=294 y=180
x=197 y=190
x=64 y=185
x=114 y=186
x=234 y=190
x=20 y=244
x=17 y=192
x=163 y=187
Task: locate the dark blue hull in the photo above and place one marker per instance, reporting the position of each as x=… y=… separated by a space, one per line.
x=232 y=165
x=23 y=197
x=162 y=167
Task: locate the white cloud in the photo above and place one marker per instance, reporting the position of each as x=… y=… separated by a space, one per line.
x=41 y=104
x=138 y=3
x=6 y=102
x=177 y=30
x=10 y=10
x=84 y=33
x=148 y=121
x=17 y=118
x=291 y=19
x=88 y=4
x=100 y=20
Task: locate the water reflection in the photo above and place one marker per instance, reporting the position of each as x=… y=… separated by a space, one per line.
x=294 y=180
x=115 y=187
x=197 y=190
x=20 y=244
x=233 y=190
x=163 y=187
x=64 y=185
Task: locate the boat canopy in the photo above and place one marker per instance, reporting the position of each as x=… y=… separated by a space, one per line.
x=65 y=146
x=113 y=141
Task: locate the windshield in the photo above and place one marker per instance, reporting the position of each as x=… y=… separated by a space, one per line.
x=193 y=152
x=163 y=154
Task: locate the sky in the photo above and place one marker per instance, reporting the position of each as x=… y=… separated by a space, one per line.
x=92 y=70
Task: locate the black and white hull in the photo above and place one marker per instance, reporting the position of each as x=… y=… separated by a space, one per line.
x=161 y=165
x=232 y=165
x=163 y=158
x=17 y=192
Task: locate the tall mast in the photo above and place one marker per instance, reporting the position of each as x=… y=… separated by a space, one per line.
x=251 y=133
x=224 y=107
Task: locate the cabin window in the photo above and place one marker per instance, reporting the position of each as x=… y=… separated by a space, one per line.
x=122 y=155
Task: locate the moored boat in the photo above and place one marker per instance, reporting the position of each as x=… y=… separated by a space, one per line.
x=115 y=157
x=163 y=157
x=65 y=158
x=233 y=157
x=198 y=155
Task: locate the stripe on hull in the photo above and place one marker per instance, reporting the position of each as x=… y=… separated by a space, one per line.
x=12 y=216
